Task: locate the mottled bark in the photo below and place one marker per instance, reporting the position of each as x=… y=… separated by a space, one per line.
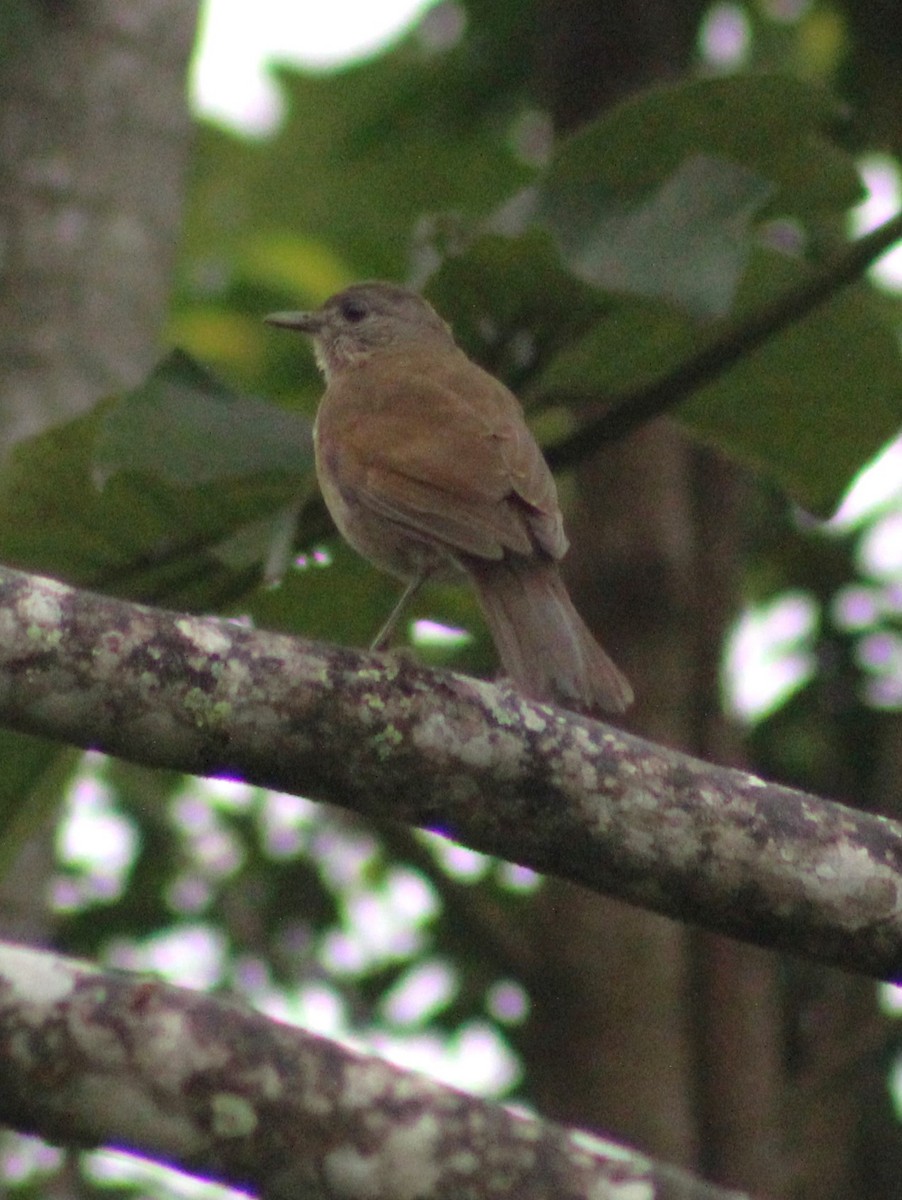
x=560 y=793
x=213 y=1088
x=94 y=138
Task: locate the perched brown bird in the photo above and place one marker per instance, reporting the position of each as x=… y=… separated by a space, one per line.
x=428 y=469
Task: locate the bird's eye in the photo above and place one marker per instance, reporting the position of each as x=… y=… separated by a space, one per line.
x=353 y=310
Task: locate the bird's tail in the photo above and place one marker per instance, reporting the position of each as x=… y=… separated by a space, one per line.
x=543 y=643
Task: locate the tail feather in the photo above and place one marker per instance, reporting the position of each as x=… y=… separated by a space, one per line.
x=543 y=643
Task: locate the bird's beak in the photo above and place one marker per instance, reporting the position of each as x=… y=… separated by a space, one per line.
x=305 y=322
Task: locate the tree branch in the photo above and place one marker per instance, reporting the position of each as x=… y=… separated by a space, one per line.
x=557 y=792
x=736 y=340
x=216 y=1089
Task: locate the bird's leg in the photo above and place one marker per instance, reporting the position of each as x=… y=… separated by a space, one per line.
x=383 y=638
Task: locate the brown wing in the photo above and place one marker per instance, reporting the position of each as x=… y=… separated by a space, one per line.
x=447 y=454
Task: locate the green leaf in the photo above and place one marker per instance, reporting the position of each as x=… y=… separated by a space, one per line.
x=687 y=241
x=774 y=126
x=813 y=404
x=632 y=342
x=160 y=526
x=185 y=428
x=808 y=408
x=659 y=197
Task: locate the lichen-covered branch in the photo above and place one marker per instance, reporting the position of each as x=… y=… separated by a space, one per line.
x=208 y=1086
x=554 y=791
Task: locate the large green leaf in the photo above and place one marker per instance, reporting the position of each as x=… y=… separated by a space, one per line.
x=777 y=127
x=813 y=404
x=808 y=408
x=659 y=197
x=632 y=342
x=184 y=466
x=185 y=428
x=687 y=241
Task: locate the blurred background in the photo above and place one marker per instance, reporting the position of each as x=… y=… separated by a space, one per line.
x=591 y=194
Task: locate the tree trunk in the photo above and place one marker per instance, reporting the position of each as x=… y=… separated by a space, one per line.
x=95 y=136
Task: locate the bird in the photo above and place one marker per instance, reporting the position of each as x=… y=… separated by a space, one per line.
x=429 y=470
